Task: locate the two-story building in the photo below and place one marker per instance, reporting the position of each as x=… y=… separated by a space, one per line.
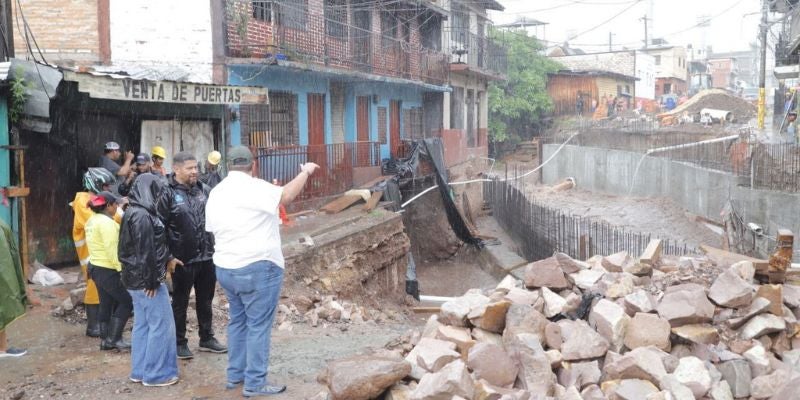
x=724 y=72
x=671 y=69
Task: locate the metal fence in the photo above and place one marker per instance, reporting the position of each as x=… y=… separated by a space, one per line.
x=337 y=162
x=541 y=230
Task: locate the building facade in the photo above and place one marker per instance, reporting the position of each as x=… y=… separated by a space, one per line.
x=628 y=63
x=671 y=69
x=724 y=73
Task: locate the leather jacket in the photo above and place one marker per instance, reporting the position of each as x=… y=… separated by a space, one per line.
x=142 y=248
x=182 y=209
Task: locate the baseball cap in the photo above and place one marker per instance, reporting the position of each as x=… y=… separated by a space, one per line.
x=103 y=198
x=112 y=146
x=214 y=157
x=240 y=155
x=142 y=159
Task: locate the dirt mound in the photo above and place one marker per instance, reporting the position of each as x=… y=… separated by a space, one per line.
x=719 y=100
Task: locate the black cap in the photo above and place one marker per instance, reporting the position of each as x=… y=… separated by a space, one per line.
x=142 y=159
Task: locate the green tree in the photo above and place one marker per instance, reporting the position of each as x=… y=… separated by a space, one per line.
x=517 y=105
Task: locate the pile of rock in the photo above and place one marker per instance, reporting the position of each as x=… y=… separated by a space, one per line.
x=323 y=310
x=609 y=328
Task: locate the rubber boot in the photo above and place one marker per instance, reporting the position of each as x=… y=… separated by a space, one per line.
x=114 y=338
x=103 y=329
x=92 y=325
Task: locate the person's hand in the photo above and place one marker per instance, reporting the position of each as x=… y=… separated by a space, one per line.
x=172 y=264
x=129 y=156
x=150 y=293
x=309 y=168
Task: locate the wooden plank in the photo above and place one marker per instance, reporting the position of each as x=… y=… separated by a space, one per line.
x=297 y=214
x=425 y=310
x=652 y=253
x=373 y=201
x=373 y=182
x=725 y=258
x=340 y=204
x=15 y=191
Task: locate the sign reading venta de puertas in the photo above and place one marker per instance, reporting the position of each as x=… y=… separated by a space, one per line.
x=105 y=87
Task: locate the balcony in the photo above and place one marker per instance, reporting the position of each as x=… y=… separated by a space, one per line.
x=285 y=34
x=472 y=52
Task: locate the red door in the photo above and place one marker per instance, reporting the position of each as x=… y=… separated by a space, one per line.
x=394 y=129
x=316 y=130
x=362 y=157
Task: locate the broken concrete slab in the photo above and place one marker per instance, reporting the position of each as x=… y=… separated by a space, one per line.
x=647 y=330
x=363 y=377
x=610 y=321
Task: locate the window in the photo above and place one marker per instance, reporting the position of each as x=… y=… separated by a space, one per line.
x=658 y=60
x=430 y=29
x=293 y=14
x=412 y=123
x=382 y=125
x=388 y=28
x=271 y=125
x=262 y=10
x=336 y=18
x=459 y=26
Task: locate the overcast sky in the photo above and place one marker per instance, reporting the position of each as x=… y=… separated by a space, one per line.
x=730 y=28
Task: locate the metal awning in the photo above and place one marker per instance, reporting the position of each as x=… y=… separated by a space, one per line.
x=787 y=72
x=40 y=82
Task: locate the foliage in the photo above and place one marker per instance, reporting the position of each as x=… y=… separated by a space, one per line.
x=518 y=105
x=19 y=95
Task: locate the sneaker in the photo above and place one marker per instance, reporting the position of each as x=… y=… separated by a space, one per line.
x=184 y=353
x=232 y=385
x=170 y=381
x=135 y=380
x=13 y=352
x=213 y=346
x=265 y=390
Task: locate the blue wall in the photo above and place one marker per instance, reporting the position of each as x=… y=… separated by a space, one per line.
x=300 y=82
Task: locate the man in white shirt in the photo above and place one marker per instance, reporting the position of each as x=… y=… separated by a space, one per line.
x=242 y=213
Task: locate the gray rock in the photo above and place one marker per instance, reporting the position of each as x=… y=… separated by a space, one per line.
x=610 y=321
x=545 y=273
x=641 y=363
x=692 y=373
x=738 y=375
x=730 y=290
x=580 y=374
x=766 y=386
x=491 y=363
x=678 y=390
x=634 y=389
x=759 y=305
x=363 y=377
x=639 y=301
x=580 y=341
x=535 y=373
x=720 y=391
x=648 y=330
x=761 y=325
x=686 y=305
x=452 y=380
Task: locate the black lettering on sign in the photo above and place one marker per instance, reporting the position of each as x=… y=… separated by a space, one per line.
x=136 y=91
x=218 y=93
x=175 y=93
x=144 y=89
x=161 y=91
x=183 y=92
x=238 y=98
x=126 y=86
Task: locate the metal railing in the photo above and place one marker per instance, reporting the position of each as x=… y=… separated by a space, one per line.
x=336 y=161
x=477 y=51
x=309 y=36
x=541 y=231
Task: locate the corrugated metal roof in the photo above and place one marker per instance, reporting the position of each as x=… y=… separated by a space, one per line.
x=150 y=73
x=4 y=68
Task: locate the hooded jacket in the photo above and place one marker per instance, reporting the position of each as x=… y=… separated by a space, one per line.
x=143 y=249
x=182 y=209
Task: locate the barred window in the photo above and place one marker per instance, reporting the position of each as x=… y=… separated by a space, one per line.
x=293 y=13
x=336 y=18
x=262 y=10
x=388 y=28
x=412 y=123
x=271 y=125
x=382 y=125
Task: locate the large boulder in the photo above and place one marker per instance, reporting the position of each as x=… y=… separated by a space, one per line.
x=738 y=375
x=692 y=373
x=491 y=316
x=570 y=265
x=579 y=374
x=610 y=321
x=553 y=303
x=686 y=305
x=641 y=363
x=363 y=377
x=730 y=290
x=545 y=273
x=452 y=380
x=640 y=301
x=616 y=262
x=535 y=373
x=431 y=352
x=648 y=330
x=491 y=363
x=580 y=341
x=761 y=325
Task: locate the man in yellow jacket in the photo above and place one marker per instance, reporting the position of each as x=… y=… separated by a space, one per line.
x=95 y=180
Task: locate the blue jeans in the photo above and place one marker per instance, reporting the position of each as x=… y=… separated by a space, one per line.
x=154 y=355
x=252 y=293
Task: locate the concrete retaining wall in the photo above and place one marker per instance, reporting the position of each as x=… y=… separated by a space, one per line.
x=698 y=190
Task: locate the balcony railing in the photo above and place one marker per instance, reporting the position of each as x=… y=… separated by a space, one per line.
x=310 y=36
x=477 y=51
x=336 y=161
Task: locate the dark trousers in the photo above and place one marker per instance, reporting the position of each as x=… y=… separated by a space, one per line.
x=203 y=278
x=114 y=298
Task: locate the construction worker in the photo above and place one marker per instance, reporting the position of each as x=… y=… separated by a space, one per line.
x=158 y=154
x=95 y=180
x=212 y=176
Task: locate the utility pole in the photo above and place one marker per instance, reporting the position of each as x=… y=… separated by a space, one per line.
x=645 y=30
x=762 y=79
x=7 y=47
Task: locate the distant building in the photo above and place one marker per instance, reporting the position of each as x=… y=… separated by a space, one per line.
x=671 y=69
x=633 y=63
x=564 y=87
x=746 y=65
x=699 y=72
x=724 y=73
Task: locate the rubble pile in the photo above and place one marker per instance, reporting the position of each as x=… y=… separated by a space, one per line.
x=323 y=310
x=612 y=327
x=718 y=99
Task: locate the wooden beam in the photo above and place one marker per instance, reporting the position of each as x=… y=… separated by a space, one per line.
x=340 y=204
x=726 y=258
x=373 y=201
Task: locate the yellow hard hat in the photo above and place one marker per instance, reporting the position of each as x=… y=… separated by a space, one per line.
x=214 y=157
x=159 y=151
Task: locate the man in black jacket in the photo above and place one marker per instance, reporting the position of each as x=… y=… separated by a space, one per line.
x=181 y=206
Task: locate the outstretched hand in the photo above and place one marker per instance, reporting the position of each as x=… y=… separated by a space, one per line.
x=309 y=168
